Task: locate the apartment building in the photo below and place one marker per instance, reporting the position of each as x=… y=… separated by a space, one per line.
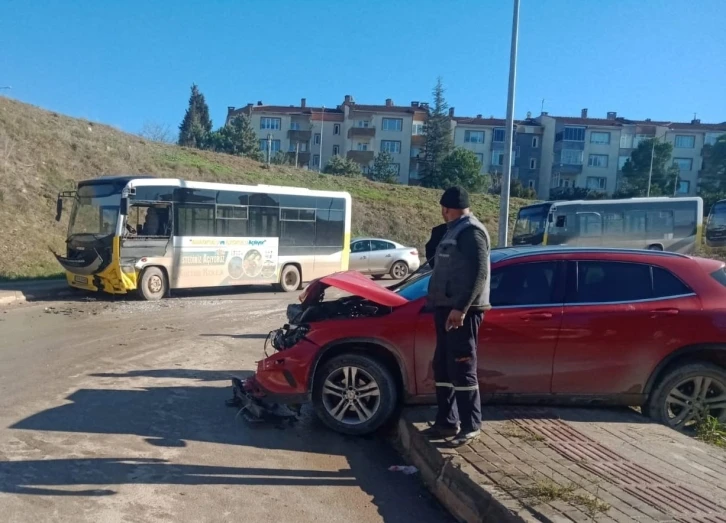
x=591 y=152
x=548 y=151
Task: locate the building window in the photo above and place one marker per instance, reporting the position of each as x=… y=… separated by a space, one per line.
x=316 y=160
x=533 y=163
x=336 y=150
x=392 y=124
x=480 y=158
x=712 y=138
x=621 y=162
x=565 y=182
x=641 y=138
x=415 y=152
x=391 y=146
x=474 y=136
x=531 y=184
x=363 y=124
x=571 y=157
x=684 y=164
x=684 y=187
x=336 y=128
x=303 y=147
x=597 y=160
x=599 y=137
x=396 y=167
x=317 y=138
x=418 y=129
x=535 y=142
x=498 y=135
x=270 y=123
x=498 y=158
x=574 y=134
x=294 y=126
x=597 y=183
x=274 y=145
x=626 y=141
x=684 y=141
x=362 y=146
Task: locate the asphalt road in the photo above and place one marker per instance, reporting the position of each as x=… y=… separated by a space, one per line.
x=114 y=411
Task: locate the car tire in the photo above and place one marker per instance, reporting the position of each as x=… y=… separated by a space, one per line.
x=359 y=415
x=399 y=270
x=290 y=279
x=153 y=284
x=679 y=401
x=655 y=247
x=378 y=276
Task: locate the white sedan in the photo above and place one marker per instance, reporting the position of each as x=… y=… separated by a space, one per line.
x=378 y=257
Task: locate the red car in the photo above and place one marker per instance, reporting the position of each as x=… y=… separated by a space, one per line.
x=567 y=326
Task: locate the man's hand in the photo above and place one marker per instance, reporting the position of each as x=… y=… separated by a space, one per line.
x=455 y=320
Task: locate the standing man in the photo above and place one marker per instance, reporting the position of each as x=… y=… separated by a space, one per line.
x=459 y=294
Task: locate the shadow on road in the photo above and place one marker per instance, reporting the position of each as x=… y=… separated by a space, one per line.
x=171 y=416
x=237 y=336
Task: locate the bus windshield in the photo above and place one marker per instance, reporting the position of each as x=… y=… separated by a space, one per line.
x=530 y=224
x=95 y=210
x=718 y=216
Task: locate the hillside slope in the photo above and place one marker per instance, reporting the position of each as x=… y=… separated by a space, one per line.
x=42 y=152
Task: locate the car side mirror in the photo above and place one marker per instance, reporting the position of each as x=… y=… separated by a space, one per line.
x=58 y=208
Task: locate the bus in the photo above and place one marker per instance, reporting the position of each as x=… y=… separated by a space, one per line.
x=663 y=224
x=152 y=235
x=716 y=225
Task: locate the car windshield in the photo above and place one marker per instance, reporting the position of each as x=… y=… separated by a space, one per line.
x=415 y=288
x=95 y=210
x=530 y=221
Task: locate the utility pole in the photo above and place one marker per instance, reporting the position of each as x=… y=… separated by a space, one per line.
x=269 y=148
x=297 y=152
x=320 y=153
x=509 y=133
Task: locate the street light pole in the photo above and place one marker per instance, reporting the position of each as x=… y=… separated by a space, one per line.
x=509 y=130
x=320 y=152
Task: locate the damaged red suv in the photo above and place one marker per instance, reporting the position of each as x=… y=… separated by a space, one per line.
x=567 y=326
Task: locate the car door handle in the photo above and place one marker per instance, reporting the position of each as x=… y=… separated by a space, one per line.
x=537 y=316
x=664 y=312
x=388 y=255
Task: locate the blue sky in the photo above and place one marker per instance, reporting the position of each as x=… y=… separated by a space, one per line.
x=126 y=63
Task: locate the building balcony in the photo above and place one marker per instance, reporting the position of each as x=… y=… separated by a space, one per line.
x=567 y=169
x=418 y=140
x=362 y=157
x=368 y=132
x=302 y=158
x=299 y=136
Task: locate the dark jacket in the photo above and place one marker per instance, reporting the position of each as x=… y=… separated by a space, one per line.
x=460 y=279
x=437 y=234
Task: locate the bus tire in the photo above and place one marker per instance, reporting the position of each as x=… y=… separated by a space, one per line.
x=290 y=279
x=153 y=284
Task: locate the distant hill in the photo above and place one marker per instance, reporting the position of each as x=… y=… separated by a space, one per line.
x=42 y=152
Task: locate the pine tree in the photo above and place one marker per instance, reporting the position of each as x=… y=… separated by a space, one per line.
x=438 y=139
x=384 y=169
x=196 y=125
x=637 y=169
x=238 y=137
x=340 y=166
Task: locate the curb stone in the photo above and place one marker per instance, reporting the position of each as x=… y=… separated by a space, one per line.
x=449 y=478
x=34 y=291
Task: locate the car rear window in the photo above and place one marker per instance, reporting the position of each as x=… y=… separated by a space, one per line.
x=720 y=275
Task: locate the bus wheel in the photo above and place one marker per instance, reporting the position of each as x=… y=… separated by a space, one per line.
x=153 y=284
x=655 y=247
x=290 y=279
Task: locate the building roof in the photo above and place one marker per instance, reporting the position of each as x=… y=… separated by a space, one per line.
x=575 y=120
x=406 y=109
x=698 y=126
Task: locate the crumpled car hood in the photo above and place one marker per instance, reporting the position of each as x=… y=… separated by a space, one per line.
x=354 y=283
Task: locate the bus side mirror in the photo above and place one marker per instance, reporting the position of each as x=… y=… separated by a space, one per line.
x=125 y=205
x=58 y=208
x=549 y=218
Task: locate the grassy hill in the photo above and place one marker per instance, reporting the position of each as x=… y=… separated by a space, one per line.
x=42 y=152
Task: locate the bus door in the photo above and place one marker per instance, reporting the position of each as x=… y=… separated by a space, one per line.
x=147 y=232
x=589 y=229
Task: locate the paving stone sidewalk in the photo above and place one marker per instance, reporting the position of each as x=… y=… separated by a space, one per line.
x=606 y=465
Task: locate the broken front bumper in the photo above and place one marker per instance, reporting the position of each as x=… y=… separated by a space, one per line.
x=256 y=405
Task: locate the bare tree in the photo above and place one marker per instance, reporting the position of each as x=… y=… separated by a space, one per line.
x=157 y=132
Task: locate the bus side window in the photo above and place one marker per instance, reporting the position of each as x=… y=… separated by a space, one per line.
x=561 y=221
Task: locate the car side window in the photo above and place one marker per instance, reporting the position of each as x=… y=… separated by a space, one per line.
x=523 y=284
x=607 y=282
x=378 y=245
x=665 y=284
x=361 y=246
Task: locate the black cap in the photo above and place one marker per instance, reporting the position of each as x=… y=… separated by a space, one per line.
x=455 y=198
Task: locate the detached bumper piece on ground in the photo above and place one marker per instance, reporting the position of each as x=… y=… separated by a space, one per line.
x=253 y=406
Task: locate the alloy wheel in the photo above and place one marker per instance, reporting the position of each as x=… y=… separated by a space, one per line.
x=399 y=271
x=351 y=395
x=694 y=398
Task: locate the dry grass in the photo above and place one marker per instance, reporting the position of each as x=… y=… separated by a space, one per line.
x=549 y=491
x=42 y=152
